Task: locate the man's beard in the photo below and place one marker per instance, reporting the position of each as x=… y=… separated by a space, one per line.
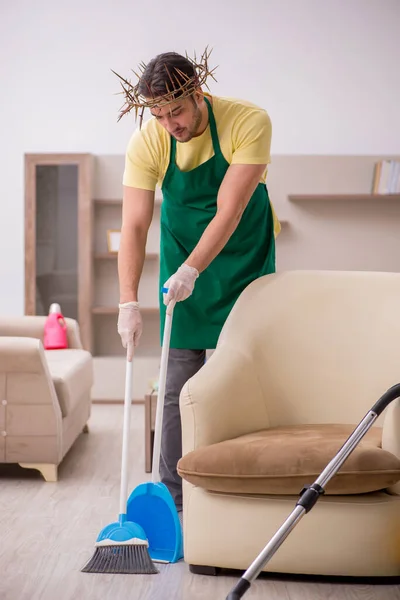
x=191 y=131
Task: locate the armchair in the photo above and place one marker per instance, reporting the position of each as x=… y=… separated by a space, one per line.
x=301 y=359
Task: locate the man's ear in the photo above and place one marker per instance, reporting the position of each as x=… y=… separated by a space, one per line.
x=199 y=96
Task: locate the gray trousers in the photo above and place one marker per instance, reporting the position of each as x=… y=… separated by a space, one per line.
x=182 y=365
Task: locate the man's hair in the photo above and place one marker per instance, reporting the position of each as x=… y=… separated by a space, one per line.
x=167 y=73
x=165 y=78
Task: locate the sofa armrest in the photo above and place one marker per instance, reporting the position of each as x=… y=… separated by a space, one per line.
x=30 y=415
x=32 y=326
x=222 y=401
x=391 y=435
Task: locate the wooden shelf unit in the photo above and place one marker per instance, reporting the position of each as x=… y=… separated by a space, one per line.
x=109 y=355
x=337 y=185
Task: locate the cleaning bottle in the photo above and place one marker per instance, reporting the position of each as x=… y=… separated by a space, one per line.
x=55 y=329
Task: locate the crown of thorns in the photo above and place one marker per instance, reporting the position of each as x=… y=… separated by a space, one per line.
x=179 y=85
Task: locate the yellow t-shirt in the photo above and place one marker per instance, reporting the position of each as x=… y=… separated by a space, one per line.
x=244 y=132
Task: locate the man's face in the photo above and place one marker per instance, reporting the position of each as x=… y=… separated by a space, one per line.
x=180 y=118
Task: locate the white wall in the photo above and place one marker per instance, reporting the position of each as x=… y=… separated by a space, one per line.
x=327 y=72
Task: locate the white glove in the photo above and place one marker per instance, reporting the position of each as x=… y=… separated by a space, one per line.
x=181 y=284
x=130 y=326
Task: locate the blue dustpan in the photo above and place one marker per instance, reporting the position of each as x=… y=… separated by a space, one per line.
x=151 y=505
x=153 y=508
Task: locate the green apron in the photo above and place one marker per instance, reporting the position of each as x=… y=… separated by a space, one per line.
x=189 y=204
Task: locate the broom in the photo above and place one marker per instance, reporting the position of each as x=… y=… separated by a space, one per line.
x=122 y=546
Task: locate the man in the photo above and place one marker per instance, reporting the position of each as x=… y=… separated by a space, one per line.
x=209 y=155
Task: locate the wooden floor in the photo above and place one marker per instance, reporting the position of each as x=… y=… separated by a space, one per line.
x=47 y=532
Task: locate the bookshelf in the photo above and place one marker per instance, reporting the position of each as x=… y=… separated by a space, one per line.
x=108 y=353
x=331 y=220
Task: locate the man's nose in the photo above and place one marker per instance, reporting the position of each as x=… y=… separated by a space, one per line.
x=170 y=125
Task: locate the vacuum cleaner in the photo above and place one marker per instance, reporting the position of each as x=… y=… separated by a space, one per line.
x=310 y=494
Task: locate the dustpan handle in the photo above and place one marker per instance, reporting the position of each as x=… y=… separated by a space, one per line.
x=125 y=437
x=155 y=471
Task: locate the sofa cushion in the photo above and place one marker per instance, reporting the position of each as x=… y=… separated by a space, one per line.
x=281 y=460
x=72 y=374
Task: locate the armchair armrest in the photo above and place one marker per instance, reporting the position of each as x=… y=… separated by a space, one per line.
x=222 y=401
x=391 y=435
x=32 y=326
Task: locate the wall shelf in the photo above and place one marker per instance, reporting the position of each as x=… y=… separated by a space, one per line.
x=340 y=197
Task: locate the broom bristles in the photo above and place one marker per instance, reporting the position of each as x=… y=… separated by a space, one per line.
x=121 y=558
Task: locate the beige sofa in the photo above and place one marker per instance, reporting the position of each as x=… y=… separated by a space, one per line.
x=45 y=395
x=301 y=360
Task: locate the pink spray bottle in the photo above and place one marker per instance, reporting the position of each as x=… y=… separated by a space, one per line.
x=55 y=330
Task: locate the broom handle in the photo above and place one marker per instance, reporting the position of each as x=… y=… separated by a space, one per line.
x=155 y=471
x=125 y=439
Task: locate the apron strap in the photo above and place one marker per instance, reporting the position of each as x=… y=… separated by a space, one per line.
x=172 y=155
x=213 y=128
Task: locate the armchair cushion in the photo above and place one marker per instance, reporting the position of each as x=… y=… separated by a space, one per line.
x=281 y=460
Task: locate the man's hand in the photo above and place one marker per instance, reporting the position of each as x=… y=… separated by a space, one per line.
x=181 y=284
x=130 y=326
